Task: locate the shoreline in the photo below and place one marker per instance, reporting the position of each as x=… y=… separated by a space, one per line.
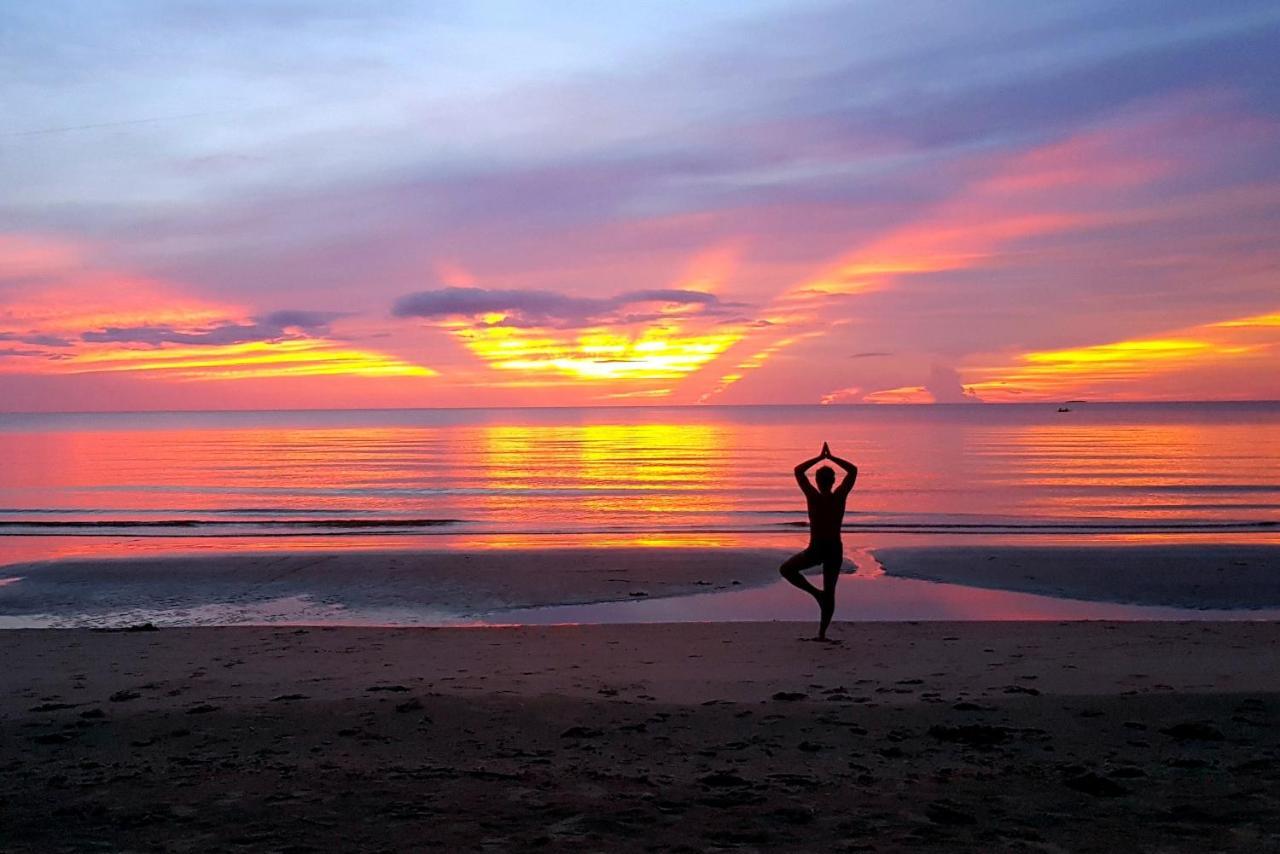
x=964 y=736
x=603 y=584
x=454 y=585
x=1200 y=577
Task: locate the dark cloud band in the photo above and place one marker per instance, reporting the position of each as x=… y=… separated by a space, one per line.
x=547 y=308
x=269 y=327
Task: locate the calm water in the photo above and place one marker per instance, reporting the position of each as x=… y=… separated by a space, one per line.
x=652 y=475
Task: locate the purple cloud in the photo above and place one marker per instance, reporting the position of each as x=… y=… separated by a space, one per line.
x=945 y=386
x=528 y=308
x=35 y=339
x=270 y=327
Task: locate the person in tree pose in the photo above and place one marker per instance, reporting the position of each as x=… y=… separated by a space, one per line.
x=826 y=514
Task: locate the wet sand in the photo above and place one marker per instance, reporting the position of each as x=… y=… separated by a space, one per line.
x=500 y=585
x=1077 y=736
x=1184 y=576
x=318 y=586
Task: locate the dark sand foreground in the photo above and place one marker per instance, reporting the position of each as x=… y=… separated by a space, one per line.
x=971 y=737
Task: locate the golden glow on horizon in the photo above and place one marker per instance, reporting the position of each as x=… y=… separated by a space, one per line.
x=1121 y=354
x=670 y=342
x=616 y=474
x=654 y=353
x=640 y=393
x=294 y=357
x=69 y=304
x=1090 y=371
x=673 y=342
x=904 y=394
x=961 y=233
x=849 y=394
x=1256 y=321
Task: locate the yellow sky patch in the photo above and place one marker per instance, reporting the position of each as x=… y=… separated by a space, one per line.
x=298 y=357
x=659 y=352
x=1090 y=371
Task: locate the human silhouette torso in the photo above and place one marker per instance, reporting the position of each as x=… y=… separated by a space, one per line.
x=826 y=514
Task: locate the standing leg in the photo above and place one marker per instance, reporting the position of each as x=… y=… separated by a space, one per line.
x=831 y=565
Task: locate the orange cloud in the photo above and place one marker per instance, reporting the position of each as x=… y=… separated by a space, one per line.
x=903 y=394
x=850 y=394
x=670 y=340
x=1125 y=368
x=59 y=305
x=1022 y=200
x=1025 y=198
x=653 y=352
x=294 y=357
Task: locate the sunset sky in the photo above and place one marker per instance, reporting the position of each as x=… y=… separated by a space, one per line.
x=336 y=204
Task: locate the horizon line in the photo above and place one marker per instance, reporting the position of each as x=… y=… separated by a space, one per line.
x=861 y=405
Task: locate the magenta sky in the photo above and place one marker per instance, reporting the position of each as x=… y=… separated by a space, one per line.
x=211 y=205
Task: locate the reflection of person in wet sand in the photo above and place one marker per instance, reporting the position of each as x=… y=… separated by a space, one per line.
x=826 y=514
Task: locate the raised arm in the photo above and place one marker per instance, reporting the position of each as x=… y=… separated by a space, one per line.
x=850 y=471
x=802 y=477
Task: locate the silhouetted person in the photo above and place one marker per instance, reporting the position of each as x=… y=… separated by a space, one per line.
x=826 y=515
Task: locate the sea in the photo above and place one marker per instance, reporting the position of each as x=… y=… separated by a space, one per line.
x=123 y=483
x=129 y=485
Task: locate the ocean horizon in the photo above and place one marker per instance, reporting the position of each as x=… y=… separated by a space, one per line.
x=631 y=475
x=1038 y=404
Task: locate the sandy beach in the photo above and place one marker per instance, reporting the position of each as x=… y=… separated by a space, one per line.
x=964 y=736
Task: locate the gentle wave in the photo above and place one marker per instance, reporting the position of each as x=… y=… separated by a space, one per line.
x=209 y=528
x=228 y=511
x=1054 y=526
x=219 y=523
x=950 y=471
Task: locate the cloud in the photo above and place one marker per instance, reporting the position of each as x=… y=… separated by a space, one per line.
x=275 y=326
x=945 y=386
x=35 y=338
x=878 y=154
x=309 y=320
x=851 y=394
x=1228 y=359
x=469 y=302
x=535 y=308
